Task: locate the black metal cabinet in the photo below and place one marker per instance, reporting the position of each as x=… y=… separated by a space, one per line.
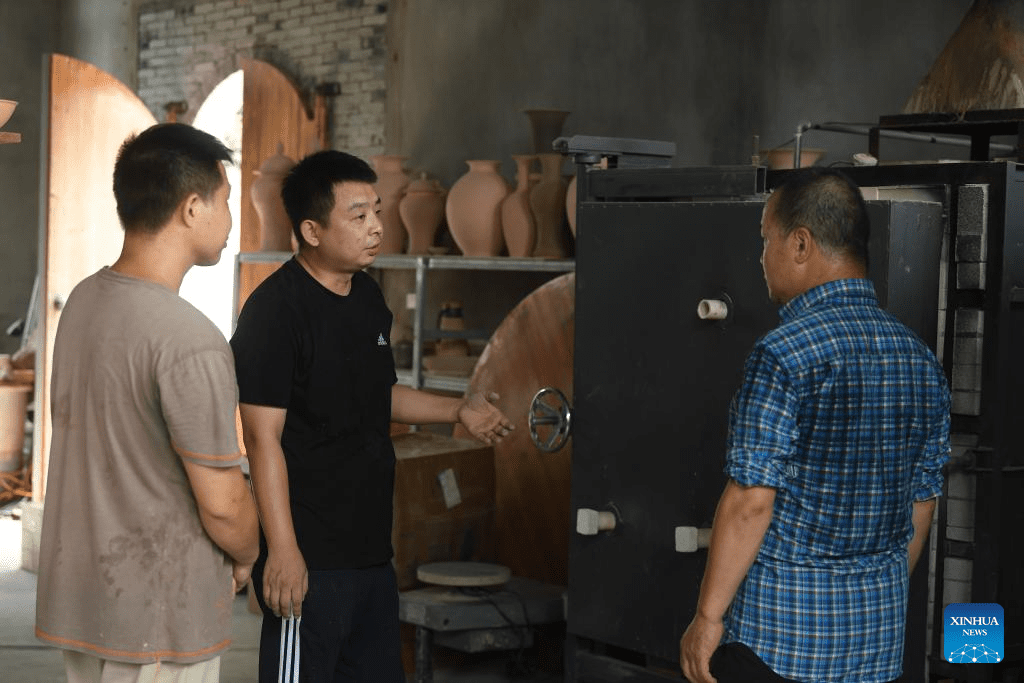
x=653 y=382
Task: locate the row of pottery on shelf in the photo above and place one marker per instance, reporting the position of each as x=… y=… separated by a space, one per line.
x=485 y=215
x=415 y=207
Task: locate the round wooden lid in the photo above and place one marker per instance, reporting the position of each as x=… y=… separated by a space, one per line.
x=463 y=574
x=530 y=350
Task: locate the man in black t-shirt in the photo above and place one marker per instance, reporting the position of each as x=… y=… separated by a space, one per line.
x=317 y=395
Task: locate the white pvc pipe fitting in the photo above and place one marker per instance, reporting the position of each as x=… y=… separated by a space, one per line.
x=712 y=309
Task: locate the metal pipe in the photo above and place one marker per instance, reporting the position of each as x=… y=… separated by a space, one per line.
x=798 y=139
x=855 y=129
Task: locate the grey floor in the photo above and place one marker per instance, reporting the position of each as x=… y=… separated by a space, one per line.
x=23 y=656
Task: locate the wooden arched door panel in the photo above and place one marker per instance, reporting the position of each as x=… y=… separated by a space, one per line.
x=273 y=112
x=89 y=115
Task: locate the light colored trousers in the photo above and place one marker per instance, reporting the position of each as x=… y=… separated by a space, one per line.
x=86 y=668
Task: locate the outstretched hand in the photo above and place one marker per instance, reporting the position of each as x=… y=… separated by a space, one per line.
x=483 y=419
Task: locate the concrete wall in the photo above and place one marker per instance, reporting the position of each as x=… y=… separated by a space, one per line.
x=445 y=80
x=26 y=31
x=706 y=75
x=99 y=32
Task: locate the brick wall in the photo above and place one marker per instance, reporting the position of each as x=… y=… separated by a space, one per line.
x=187 y=48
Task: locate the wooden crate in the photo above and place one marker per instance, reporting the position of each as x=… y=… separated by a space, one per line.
x=430 y=526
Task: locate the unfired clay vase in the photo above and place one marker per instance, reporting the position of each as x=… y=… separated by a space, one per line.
x=782 y=157
x=570 y=205
x=265 y=193
x=422 y=210
x=545 y=126
x=516 y=216
x=391 y=183
x=450 y=320
x=474 y=209
x=547 y=199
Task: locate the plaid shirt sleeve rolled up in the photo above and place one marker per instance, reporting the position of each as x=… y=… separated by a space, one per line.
x=845 y=412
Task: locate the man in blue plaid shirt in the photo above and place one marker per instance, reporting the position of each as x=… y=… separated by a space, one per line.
x=837 y=439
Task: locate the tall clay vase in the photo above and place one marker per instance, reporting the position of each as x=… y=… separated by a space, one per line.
x=391 y=183
x=516 y=216
x=547 y=200
x=570 y=205
x=265 y=194
x=473 y=209
x=422 y=210
x=545 y=126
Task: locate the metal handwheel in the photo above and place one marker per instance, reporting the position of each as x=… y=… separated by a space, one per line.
x=550 y=419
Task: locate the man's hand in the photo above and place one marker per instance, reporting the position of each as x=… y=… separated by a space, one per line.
x=240 y=574
x=483 y=420
x=285 y=582
x=696 y=647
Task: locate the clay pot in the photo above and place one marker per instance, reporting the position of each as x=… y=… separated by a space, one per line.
x=473 y=209
x=547 y=200
x=570 y=205
x=390 y=186
x=450 y=320
x=14 y=400
x=421 y=211
x=516 y=216
x=7 y=108
x=545 y=126
x=782 y=157
x=265 y=193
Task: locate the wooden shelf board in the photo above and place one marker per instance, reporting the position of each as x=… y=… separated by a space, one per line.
x=9 y=138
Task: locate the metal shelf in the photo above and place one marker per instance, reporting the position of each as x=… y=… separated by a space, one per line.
x=415 y=376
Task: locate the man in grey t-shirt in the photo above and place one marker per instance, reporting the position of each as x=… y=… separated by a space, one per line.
x=149 y=525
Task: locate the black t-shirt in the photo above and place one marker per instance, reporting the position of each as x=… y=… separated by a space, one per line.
x=326 y=359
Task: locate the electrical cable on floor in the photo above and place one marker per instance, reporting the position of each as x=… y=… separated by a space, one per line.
x=518 y=667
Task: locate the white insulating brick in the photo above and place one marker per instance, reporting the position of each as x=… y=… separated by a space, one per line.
x=966 y=402
x=967 y=350
x=957 y=569
x=956 y=591
x=960 y=513
x=963 y=534
x=960 y=486
x=970 y=275
x=972 y=209
x=967 y=377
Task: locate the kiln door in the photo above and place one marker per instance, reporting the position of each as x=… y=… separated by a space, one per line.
x=653 y=382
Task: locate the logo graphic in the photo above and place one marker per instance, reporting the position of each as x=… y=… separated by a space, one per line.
x=972 y=632
x=380 y=340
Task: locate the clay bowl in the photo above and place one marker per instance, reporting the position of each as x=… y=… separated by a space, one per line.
x=782 y=157
x=6 y=109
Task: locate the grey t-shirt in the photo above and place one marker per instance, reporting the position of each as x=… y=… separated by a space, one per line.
x=126 y=570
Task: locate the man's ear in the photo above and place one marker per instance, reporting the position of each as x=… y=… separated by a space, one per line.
x=190 y=209
x=310 y=232
x=802 y=244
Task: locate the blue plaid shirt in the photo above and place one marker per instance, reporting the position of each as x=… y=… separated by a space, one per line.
x=845 y=412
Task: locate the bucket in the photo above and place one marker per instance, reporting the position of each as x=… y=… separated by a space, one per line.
x=13 y=413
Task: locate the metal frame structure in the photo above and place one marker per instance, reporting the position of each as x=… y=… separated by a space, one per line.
x=983 y=261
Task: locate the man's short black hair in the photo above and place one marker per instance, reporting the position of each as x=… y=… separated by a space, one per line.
x=830 y=205
x=158 y=168
x=308 y=189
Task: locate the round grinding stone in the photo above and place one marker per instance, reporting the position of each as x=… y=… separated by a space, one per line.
x=463 y=574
